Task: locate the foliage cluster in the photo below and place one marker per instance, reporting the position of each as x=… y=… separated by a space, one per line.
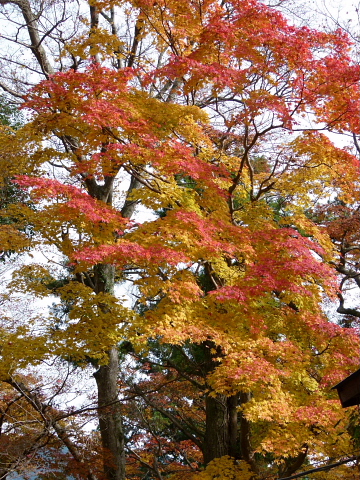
x=209 y=116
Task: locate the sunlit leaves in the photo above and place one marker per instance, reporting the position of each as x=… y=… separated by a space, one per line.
x=230 y=259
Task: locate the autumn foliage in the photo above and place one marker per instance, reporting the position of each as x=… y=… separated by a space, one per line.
x=211 y=121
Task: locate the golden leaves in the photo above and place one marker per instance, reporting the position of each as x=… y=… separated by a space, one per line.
x=225 y=468
x=34 y=279
x=95 y=323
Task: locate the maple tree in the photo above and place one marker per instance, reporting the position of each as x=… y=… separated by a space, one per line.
x=203 y=109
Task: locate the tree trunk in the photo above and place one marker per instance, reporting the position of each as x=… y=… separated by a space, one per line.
x=110 y=421
x=221 y=427
x=246 y=451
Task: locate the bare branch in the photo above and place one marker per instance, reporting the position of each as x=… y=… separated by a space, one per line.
x=31 y=21
x=321 y=469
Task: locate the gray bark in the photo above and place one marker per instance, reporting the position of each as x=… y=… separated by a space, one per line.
x=110 y=418
x=31 y=22
x=110 y=421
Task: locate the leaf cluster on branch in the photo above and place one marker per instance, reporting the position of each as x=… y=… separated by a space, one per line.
x=212 y=118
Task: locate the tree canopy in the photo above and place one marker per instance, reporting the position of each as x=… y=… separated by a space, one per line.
x=183 y=148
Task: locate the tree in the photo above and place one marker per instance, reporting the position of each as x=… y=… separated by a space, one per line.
x=36 y=437
x=201 y=107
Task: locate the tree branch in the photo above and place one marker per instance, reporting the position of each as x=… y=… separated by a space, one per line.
x=33 y=31
x=344 y=310
x=46 y=412
x=321 y=469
